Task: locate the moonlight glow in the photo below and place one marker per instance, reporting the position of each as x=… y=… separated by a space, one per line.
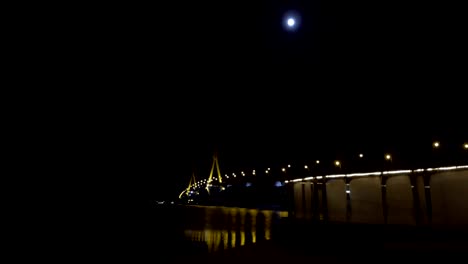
x=291 y=21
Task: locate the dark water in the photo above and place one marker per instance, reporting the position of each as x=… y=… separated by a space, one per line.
x=220 y=228
x=208 y=229
x=169 y=234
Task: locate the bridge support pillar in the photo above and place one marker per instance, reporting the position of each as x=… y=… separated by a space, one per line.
x=383 y=179
x=291 y=201
x=307 y=200
x=324 y=200
x=422 y=207
x=315 y=202
x=427 y=196
x=418 y=212
x=348 y=200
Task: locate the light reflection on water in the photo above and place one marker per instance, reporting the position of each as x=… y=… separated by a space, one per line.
x=226 y=227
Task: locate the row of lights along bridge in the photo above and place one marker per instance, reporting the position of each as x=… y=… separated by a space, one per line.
x=337 y=163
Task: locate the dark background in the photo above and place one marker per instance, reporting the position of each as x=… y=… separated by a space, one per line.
x=175 y=82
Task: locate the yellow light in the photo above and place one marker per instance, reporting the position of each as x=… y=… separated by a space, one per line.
x=266 y=171
x=283 y=169
x=318 y=161
x=388 y=156
x=465 y=146
x=337 y=163
x=305 y=167
x=436 y=144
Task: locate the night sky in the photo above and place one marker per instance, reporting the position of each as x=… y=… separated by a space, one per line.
x=188 y=78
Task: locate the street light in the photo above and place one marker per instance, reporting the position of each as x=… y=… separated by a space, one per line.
x=436 y=158
x=284 y=175
x=338 y=166
x=318 y=161
x=465 y=146
x=361 y=155
x=388 y=157
x=306 y=167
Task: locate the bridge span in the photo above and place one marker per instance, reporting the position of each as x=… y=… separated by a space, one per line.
x=434 y=196
x=430 y=197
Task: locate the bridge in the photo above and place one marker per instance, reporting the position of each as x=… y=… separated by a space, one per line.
x=434 y=196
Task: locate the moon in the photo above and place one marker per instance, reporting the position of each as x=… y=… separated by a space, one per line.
x=291 y=20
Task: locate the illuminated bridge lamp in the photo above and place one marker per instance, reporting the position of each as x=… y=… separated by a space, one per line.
x=436 y=144
x=388 y=157
x=337 y=163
